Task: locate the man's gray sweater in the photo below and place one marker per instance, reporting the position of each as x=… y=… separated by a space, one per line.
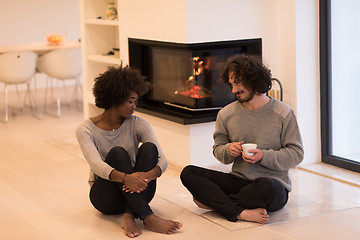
x=273 y=128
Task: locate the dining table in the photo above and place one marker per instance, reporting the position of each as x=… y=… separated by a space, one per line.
x=39 y=47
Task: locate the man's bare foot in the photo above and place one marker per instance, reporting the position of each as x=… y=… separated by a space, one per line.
x=160 y=225
x=129 y=226
x=258 y=215
x=200 y=205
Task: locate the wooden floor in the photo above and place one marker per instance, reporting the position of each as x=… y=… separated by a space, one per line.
x=44 y=194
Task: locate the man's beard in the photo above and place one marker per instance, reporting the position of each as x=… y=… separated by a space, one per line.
x=247 y=98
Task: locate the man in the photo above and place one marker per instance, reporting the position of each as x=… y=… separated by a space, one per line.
x=260 y=183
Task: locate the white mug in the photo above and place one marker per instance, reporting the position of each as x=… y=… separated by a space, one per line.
x=247 y=146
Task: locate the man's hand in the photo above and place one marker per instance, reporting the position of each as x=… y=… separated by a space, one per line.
x=235 y=149
x=258 y=154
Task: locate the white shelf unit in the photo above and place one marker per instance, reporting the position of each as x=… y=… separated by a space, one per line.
x=98 y=37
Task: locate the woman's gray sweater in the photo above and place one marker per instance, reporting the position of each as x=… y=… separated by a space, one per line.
x=95 y=144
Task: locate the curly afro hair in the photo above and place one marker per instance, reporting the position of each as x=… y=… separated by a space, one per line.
x=250 y=71
x=112 y=88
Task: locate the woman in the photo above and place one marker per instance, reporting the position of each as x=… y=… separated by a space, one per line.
x=123 y=175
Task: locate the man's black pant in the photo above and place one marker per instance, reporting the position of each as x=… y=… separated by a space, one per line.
x=229 y=195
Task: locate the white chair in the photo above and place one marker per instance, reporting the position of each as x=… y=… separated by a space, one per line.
x=18 y=68
x=62 y=64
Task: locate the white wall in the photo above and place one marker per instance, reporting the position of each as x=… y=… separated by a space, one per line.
x=201 y=142
x=232 y=20
x=308 y=77
x=163 y=20
x=27 y=21
x=24 y=21
x=286 y=50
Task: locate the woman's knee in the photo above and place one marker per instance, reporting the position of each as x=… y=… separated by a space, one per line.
x=147 y=157
x=148 y=149
x=119 y=159
x=117 y=153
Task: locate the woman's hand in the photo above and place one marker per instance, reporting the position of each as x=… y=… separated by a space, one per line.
x=135 y=182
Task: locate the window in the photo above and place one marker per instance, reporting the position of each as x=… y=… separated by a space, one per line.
x=340 y=83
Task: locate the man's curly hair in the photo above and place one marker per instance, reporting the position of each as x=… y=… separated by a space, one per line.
x=250 y=71
x=112 y=88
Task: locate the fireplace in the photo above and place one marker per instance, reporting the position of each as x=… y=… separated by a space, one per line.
x=184 y=78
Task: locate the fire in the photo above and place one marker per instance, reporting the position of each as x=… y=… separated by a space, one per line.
x=192 y=89
x=193 y=92
x=197 y=66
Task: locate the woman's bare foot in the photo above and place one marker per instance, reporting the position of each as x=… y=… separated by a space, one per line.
x=200 y=205
x=160 y=225
x=129 y=226
x=258 y=215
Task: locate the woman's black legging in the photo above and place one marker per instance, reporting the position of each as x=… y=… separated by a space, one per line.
x=109 y=198
x=229 y=195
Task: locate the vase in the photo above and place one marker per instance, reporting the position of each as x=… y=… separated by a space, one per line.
x=111 y=13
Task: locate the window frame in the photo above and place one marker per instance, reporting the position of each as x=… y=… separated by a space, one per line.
x=325 y=92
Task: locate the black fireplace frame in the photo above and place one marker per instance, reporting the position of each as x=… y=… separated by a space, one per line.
x=139 y=50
